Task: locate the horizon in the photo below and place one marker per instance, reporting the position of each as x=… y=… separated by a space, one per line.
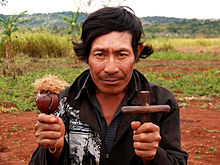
x=138 y=17
x=183 y=9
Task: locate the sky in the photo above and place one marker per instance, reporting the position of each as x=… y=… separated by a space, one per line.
x=200 y=9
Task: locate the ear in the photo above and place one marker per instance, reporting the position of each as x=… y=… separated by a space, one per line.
x=140 y=47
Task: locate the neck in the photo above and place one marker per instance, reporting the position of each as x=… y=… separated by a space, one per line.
x=109 y=104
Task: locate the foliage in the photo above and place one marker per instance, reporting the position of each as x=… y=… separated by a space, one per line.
x=154 y=27
x=212 y=148
x=20 y=94
x=9 y=27
x=195 y=83
x=40 y=45
x=50 y=21
x=75 y=28
x=176 y=48
x=160 y=20
x=186 y=28
x=175 y=55
x=44 y=44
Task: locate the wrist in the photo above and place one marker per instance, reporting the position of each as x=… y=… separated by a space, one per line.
x=146 y=162
x=55 y=155
x=56 y=150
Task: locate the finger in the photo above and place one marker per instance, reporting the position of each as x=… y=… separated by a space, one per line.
x=36 y=126
x=135 y=125
x=147 y=127
x=43 y=118
x=145 y=146
x=46 y=143
x=143 y=137
x=146 y=155
x=60 y=121
x=147 y=137
x=47 y=135
x=47 y=127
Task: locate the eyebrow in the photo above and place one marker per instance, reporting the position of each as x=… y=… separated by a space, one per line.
x=106 y=49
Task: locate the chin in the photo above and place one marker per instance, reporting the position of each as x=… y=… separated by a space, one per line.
x=111 y=91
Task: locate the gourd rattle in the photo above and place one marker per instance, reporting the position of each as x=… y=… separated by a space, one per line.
x=48 y=88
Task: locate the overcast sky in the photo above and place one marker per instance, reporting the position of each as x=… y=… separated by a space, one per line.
x=201 y=9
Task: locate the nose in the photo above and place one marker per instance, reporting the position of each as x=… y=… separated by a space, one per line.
x=111 y=65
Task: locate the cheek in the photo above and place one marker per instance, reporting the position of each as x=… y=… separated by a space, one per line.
x=95 y=68
x=127 y=69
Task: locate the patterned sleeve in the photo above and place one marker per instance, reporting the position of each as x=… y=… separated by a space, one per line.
x=62 y=113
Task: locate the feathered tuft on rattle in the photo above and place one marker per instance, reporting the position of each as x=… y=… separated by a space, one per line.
x=49 y=84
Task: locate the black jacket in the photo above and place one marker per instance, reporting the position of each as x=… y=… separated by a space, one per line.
x=168 y=153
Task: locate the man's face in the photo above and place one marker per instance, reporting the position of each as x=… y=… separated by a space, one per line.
x=111 y=61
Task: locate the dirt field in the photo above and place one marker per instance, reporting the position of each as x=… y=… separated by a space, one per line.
x=199 y=127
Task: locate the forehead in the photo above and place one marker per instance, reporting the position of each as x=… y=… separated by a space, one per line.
x=113 y=39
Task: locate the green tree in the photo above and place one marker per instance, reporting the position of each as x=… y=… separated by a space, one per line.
x=9 y=26
x=73 y=24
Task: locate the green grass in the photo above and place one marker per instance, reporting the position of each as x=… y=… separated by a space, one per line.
x=20 y=94
x=174 y=55
x=192 y=84
x=187 y=46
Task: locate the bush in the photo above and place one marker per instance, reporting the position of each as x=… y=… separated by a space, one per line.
x=40 y=45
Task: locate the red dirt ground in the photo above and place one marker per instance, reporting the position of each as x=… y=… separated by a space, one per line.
x=200 y=133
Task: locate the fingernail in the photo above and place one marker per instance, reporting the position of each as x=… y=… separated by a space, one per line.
x=52 y=119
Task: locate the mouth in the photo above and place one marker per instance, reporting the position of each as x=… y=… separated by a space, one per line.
x=111 y=81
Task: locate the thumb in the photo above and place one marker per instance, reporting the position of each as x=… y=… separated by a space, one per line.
x=135 y=125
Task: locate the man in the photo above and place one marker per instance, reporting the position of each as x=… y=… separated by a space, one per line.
x=88 y=127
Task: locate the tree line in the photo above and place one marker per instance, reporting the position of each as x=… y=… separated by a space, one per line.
x=153 y=26
x=183 y=28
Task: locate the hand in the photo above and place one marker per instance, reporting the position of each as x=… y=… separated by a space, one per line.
x=49 y=132
x=146 y=140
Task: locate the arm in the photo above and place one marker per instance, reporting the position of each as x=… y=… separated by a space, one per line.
x=166 y=150
x=156 y=145
x=42 y=156
x=169 y=150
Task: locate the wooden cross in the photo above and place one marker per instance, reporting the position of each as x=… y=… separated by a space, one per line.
x=145 y=109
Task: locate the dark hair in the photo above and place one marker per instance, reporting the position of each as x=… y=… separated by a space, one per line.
x=106 y=20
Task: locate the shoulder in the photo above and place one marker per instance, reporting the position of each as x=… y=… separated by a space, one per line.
x=162 y=95
x=159 y=94
x=76 y=85
x=158 y=89
x=64 y=92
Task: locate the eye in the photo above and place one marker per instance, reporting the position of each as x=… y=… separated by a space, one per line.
x=122 y=54
x=99 y=54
